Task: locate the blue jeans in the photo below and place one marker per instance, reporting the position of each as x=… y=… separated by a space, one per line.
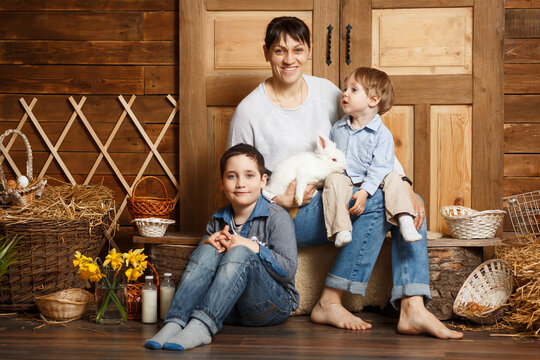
x=353 y=265
x=230 y=288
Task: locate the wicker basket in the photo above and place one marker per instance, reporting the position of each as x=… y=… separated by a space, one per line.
x=27 y=194
x=147 y=206
x=134 y=296
x=488 y=286
x=66 y=304
x=466 y=223
x=46 y=248
x=152 y=227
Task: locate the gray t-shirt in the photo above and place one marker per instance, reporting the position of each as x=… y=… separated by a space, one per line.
x=279 y=133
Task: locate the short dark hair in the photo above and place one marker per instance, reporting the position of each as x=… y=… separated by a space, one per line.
x=242 y=149
x=375 y=82
x=286 y=25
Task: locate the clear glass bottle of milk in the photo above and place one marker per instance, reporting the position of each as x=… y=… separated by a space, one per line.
x=166 y=294
x=149 y=301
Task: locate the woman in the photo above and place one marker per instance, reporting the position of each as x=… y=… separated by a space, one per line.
x=282 y=117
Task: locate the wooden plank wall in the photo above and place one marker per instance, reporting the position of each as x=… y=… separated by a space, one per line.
x=101 y=49
x=521 y=97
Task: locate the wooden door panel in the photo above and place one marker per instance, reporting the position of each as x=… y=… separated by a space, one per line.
x=235 y=39
x=400 y=121
x=451 y=146
x=422 y=41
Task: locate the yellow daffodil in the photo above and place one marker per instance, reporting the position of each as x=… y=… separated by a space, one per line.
x=80 y=259
x=134 y=257
x=115 y=259
x=134 y=273
x=90 y=271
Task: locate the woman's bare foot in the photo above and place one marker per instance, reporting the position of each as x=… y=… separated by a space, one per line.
x=414 y=319
x=336 y=315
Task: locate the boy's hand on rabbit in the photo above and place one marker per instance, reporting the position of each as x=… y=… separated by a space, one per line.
x=287 y=199
x=360 y=196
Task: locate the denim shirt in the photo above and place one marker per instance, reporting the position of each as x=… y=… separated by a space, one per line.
x=369 y=151
x=272 y=228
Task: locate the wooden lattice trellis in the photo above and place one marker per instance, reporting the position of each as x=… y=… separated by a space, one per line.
x=103 y=148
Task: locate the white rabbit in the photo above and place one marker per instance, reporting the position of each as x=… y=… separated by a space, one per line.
x=307 y=168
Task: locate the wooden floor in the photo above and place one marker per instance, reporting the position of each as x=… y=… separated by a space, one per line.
x=298 y=338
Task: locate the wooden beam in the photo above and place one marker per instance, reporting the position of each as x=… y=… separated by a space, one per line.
x=37 y=52
x=404 y=4
x=521 y=109
x=522 y=51
x=70 y=79
x=422 y=153
x=193 y=132
x=160 y=25
x=520 y=185
x=522 y=23
x=161 y=80
x=357 y=14
x=67 y=25
x=522 y=138
x=522 y=165
x=433 y=89
x=51 y=5
x=488 y=120
x=258 y=5
x=326 y=13
x=522 y=78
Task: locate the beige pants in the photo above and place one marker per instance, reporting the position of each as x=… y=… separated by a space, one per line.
x=338 y=192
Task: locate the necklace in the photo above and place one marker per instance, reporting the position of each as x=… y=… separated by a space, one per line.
x=279 y=101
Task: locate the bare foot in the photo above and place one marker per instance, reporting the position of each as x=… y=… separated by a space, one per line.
x=336 y=315
x=415 y=319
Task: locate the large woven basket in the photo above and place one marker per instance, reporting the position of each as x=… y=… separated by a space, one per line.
x=466 y=223
x=46 y=248
x=26 y=195
x=134 y=296
x=483 y=296
x=148 y=206
x=66 y=304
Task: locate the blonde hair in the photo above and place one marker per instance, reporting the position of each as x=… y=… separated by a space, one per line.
x=375 y=82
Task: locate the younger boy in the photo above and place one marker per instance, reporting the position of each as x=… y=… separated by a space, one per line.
x=243 y=270
x=369 y=149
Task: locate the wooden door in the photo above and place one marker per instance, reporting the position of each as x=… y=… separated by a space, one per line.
x=445 y=59
x=221 y=61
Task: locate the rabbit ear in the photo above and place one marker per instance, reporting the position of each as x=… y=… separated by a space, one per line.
x=321 y=142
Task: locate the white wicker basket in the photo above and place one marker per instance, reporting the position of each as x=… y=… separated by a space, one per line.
x=488 y=286
x=152 y=227
x=466 y=223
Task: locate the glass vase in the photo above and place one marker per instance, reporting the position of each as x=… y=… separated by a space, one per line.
x=110 y=296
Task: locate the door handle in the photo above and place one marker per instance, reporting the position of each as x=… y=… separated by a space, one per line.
x=329 y=45
x=348 y=55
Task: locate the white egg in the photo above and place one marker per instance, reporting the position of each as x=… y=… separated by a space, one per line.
x=22 y=181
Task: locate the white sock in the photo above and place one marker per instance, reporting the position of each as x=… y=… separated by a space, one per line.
x=196 y=333
x=407 y=228
x=343 y=238
x=169 y=330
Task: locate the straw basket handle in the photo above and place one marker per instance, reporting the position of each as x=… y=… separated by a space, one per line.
x=28 y=154
x=133 y=197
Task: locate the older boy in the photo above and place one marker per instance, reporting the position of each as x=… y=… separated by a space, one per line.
x=243 y=270
x=369 y=149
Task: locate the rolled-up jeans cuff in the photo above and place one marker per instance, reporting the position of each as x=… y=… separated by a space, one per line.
x=207 y=320
x=335 y=282
x=176 y=320
x=399 y=292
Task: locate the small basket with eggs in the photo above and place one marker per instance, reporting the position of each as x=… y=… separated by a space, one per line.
x=25 y=189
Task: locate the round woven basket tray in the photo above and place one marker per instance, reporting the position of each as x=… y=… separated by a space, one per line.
x=484 y=293
x=63 y=305
x=466 y=223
